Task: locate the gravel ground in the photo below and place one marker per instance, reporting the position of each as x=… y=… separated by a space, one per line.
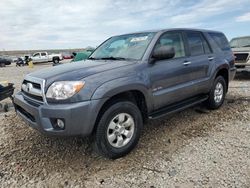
x=194 y=148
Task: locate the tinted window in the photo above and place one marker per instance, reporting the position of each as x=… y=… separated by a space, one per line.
x=195 y=42
x=172 y=40
x=220 y=40
x=43 y=54
x=37 y=54
x=206 y=46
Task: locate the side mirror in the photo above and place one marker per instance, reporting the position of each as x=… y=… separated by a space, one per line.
x=163 y=52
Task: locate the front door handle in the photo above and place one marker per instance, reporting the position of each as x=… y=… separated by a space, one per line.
x=210 y=58
x=187 y=63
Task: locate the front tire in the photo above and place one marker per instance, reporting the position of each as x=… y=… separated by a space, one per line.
x=217 y=93
x=118 y=130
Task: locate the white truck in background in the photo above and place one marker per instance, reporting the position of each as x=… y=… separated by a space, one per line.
x=42 y=57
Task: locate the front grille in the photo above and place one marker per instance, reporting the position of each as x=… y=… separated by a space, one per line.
x=32 y=91
x=241 y=56
x=39 y=98
x=35 y=85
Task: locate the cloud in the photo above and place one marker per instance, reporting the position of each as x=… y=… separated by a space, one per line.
x=206 y=9
x=41 y=24
x=243 y=18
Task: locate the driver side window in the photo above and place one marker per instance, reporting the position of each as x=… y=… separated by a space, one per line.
x=172 y=40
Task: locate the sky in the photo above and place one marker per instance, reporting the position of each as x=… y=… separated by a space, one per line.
x=57 y=24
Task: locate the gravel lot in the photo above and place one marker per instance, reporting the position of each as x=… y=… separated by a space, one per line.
x=194 y=148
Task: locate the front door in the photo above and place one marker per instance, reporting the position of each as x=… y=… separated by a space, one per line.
x=170 y=78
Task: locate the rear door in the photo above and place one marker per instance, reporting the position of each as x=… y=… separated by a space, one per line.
x=201 y=60
x=44 y=57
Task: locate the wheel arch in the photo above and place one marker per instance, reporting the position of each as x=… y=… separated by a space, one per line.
x=224 y=72
x=134 y=94
x=124 y=85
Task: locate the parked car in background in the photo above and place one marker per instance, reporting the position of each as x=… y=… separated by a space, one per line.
x=241 y=50
x=43 y=57
x=5 y=61
x=14 y=59
x=67 y=55
x=79 y=56
x=128 y=79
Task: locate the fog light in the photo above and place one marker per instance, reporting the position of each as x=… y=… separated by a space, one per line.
x=60 y=123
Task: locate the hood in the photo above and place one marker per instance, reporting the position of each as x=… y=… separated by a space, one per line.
x=78 y=70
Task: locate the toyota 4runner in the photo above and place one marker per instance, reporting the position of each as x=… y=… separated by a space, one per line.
x=128 y=79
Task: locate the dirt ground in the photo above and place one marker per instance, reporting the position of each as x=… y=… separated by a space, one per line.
x=193 y=148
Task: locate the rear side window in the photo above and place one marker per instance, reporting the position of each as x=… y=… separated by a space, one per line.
x=221 y=41
x=195 y=43
x=43 y=54
x=206 y=46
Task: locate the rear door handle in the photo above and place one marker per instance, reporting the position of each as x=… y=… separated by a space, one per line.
x=187 y=63
x=210 y=58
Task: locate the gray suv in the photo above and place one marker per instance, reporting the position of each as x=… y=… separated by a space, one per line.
x=128 y=79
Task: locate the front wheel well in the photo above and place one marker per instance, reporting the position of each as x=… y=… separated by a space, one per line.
x=135 y=96
x=55 y=57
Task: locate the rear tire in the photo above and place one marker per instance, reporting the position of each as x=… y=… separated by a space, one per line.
x=217 y=93
x=118 y=130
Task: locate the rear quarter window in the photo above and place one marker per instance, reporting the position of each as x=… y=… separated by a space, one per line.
x=221 y=41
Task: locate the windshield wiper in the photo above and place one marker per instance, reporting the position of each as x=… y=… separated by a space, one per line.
x=113 y=58
x=110 y=58
x=92 y=58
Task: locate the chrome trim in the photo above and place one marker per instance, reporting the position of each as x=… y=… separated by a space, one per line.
x=43 y=91
x=187 y=63
x=35 y=91
x=32 y=99
x=31 y=90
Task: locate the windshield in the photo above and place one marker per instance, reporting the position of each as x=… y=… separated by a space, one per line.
x=125 y=47
x=240 y=42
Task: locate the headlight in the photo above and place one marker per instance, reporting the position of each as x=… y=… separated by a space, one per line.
x=64 y=89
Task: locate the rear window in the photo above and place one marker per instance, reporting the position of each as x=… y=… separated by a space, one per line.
x=221 y=41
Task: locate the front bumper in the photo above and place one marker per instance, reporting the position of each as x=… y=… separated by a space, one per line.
x=79 y=118
x=242 y=63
